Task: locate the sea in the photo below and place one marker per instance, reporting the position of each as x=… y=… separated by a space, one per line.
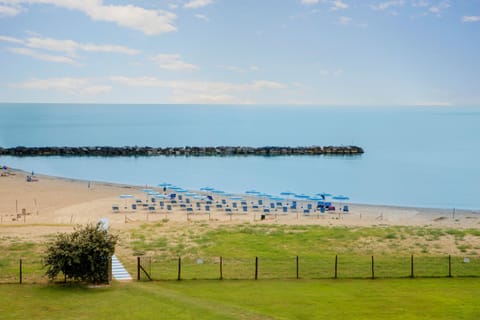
x=414 y=156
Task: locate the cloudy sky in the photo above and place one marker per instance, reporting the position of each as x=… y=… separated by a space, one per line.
x=312 y=52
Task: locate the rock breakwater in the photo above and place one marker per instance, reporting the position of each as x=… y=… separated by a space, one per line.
x=104 y=151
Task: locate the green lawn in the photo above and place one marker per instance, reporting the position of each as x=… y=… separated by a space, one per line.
x=268 y=299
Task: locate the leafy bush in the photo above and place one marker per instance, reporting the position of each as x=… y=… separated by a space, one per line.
x=82 y=255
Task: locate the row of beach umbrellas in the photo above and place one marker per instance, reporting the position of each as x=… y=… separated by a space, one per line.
x=283 y=195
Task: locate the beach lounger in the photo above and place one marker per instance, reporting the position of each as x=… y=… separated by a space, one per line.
x=306 y=212
x=115 y=208
x=219 y=206
x=134 y=206
x=183 y=205
x=245 y=209
x=138 y=201
x=309 y=206
x=189 y=210
x=266 y=210
x=169 y=207
x=285 y=209
x=260 y=202
x=345 y=209
x=234 y=205
x=151 y=208
x=228 y=210
x=180 y=198
x=272 y=205
x=224 y=201
x=207 y=208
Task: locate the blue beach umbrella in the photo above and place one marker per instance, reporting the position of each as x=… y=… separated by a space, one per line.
x=125 y=197
x=207 y=189
x=277 y=198
x=236 y=198
x=147 y=190
x=164 y=184
x=190 y=194
x=218 y=191
x=302 y=196
x=161 y=196
x=287 y=193
x=252 y=192
x=341 y=197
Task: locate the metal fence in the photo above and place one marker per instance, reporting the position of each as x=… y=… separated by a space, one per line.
x=257 y=268
x=345 y=267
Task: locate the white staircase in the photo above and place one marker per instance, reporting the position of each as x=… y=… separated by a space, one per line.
x=118 y=270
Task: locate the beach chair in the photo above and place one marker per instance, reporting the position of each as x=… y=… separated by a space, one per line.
x=151 y=208
x=234 y=205
x=169 y=207
x=115 y=208
x=228 y=210
x=207 y=208
x=134 y=206
x=138 y=201
x=306 y=212
x=245 y=209
x=153 y=200
x=187 y=200
x=219 y=206
x=224 y=201
x=309 y=206
x=180 y=197
x=260 y=202
x=266 y=211
x=322 y=209
x=272 y=205
x=189 y=210
x=285 y=210
x=345 y=209
x=183 y=205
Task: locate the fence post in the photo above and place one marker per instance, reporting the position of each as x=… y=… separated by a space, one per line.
x=21 y=271
x=336 y=266
x=297 y=269
x=179 y=268
x=138 y=268
x=449 y=266
x=373 y=268
x=411 y=267
x=256 y=268
x=221 y=268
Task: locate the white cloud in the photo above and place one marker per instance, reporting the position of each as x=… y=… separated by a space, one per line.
x=201 y=91
x=309 y=2
x=194 y=4
x=333 y=73
x=69 y=47
x=239 y=69
x=42 y=56
x=172 y=62
x=339 y=5
x=74 y=86
x=202 y=17
x=388 y=4
x=9 y=11
x=10 y=39
x=344 y=21
x=149 y=21
x=420 y=3
x=437 y=9
x=471 y=19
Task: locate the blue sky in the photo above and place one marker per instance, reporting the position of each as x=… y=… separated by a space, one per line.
x=308 y=52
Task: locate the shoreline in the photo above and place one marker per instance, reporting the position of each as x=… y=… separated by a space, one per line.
x=65 y=202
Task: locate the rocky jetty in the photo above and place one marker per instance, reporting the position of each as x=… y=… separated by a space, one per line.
x=179 y=151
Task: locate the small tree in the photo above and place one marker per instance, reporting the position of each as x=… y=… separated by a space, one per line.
x=82 y=255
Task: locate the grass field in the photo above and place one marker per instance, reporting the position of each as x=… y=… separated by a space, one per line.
x=282 y=298
x=319 y=299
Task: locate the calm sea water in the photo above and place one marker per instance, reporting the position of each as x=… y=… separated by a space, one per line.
x=414 y=156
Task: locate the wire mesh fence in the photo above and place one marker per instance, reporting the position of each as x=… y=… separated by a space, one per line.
x=346 y=267
x=27 y=270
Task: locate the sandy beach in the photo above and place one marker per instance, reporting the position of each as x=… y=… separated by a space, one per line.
x=54 y=204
